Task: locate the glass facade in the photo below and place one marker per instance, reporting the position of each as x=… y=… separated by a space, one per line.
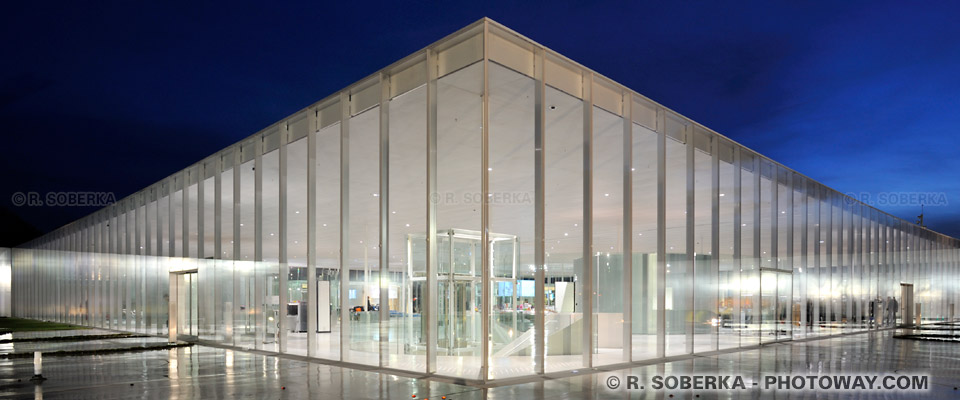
x=486 y=209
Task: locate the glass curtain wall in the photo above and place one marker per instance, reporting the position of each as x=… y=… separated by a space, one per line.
x=706 y=318
x=729 y=314
x=563 y=230
x=295 y=294
x=459 y=224
x=361 y=232
x=224 y=308
x=407 y=229
x=481 y=210
x=327 y=278
x=644 y=219
x=679 y=318
x=749 y=249
x=511 y=174
x=607 y=259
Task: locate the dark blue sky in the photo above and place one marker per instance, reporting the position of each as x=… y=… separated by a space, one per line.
x=861 y=96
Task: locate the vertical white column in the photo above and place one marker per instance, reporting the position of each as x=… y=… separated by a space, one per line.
x=236 y=276
x=757 y=173
x=790 y=254
x=485 y=212
x=715 y=235
x=344 y=225
x=259 y=278
x=284 y=270
x=691 y=246
x=627 y=255
x=588 y=256
x=129 y=259
x=218 y=262
x=312 y=301
x=149 y=264
x=384 y=237
x=539 y=220
x=661 y=232
x=431 y=291
x=137 y=264
x=203 y=268
x=159 y=264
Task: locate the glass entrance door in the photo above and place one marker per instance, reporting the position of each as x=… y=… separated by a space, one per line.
x=459 y=319
x=187 y=307
x=776 y=315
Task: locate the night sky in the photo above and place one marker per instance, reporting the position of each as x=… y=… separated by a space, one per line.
x=112 y=97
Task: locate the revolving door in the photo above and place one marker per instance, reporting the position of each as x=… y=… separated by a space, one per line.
x=460 y=287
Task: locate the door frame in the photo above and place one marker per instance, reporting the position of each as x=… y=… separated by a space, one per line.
x=172 y=307
x=778 y=273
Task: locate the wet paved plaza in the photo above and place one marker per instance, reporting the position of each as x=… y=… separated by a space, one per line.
x=201 y=372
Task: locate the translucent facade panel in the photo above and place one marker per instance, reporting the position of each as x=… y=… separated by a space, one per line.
x=136 y=264
x=162 y=256
x=122 y=264
x=6 y=273
x=872 y=293
x=267 y=285
x=132 y=265
x=705 y=274
x=563 y=230
x=512 y=211
x=297 y=305
x=245 y=318
x=770 y=313
x=767 y=215
x=608 y=300
x=862 y=247
x=783 y=231
x=177 y=209
x=407 y=231
x=824 y=241
x=836 y=261
x=225 y=272
x=644 y=209
x=729 y=314
x=95 y=273
x=151 y=294
x=799 y=310
x=679 y=270
x=361 y=239
x=328 y=242
x=459 y=190
x=749 y=250
x=191 y=215
x=846 y=258
x=206 y=252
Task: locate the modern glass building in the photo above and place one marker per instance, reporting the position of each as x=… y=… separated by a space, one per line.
x=486 y=209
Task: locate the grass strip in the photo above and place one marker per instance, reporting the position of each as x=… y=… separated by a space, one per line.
x=10 y=324
x=74 y=338
x=73 y=353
